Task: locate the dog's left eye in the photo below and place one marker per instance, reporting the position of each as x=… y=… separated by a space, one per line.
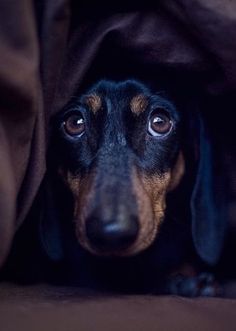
x=160 y=124
x=74 y=125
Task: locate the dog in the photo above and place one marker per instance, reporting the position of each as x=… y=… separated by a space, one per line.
x=134 y=198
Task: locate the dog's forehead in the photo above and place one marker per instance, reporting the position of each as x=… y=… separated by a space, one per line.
x=114 y=89
x=128 y=93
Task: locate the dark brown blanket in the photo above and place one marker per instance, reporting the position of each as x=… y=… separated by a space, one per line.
x=50 y=48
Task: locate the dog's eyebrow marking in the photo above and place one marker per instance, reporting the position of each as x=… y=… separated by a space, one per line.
x=94 y=102
x=138 y=104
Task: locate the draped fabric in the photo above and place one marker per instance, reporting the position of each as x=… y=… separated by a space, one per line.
x=50 y=49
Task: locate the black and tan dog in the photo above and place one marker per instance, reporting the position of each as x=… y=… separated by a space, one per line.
x=140 y=174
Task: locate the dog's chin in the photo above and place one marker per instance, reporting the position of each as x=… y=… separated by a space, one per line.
x=144 y=240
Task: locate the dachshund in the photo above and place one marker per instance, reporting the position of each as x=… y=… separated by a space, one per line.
x=131 y=200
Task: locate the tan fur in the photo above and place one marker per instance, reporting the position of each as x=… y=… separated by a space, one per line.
x=150 y=196
x=94 y=102
x=82 y=190
x=138 y=104
x=177 y=172
x=73 y=182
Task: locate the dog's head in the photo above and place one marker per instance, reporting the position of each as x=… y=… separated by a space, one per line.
x=119 y=150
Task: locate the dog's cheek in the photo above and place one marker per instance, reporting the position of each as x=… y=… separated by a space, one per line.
x=177 y=172
x=73 y=182
x=81 y=189
x=156 y=187
x=150 y=192
x=145 y=210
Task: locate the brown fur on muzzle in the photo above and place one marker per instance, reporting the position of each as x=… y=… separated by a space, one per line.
x=150 y=193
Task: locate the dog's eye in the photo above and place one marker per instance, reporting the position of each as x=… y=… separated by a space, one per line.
x=74 y=125
x=160 y=124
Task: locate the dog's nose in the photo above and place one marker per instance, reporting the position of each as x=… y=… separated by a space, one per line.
x=111 y=236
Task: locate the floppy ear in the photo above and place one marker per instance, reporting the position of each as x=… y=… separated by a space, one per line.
x=208 y=219
x=50 y=232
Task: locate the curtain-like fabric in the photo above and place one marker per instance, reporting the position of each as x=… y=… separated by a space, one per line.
x=21 y=126
x=50 y=49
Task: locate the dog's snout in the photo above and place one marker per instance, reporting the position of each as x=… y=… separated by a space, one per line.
x=111 y=236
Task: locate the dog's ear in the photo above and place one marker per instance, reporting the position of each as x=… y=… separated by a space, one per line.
x=207 y=208
x=50 y=232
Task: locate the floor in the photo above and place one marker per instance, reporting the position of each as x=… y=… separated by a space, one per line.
x=43 y=307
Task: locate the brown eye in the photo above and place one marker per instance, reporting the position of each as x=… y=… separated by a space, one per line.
x=160 y=124
x=74 y=125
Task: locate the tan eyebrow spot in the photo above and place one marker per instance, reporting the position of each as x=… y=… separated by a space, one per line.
x=94 y=102
x=138 y=104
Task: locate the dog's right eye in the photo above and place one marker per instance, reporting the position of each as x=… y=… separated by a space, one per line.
x=74 y=125
x=160 y=124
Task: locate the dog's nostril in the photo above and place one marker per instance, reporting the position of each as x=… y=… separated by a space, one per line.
x=111 y=236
